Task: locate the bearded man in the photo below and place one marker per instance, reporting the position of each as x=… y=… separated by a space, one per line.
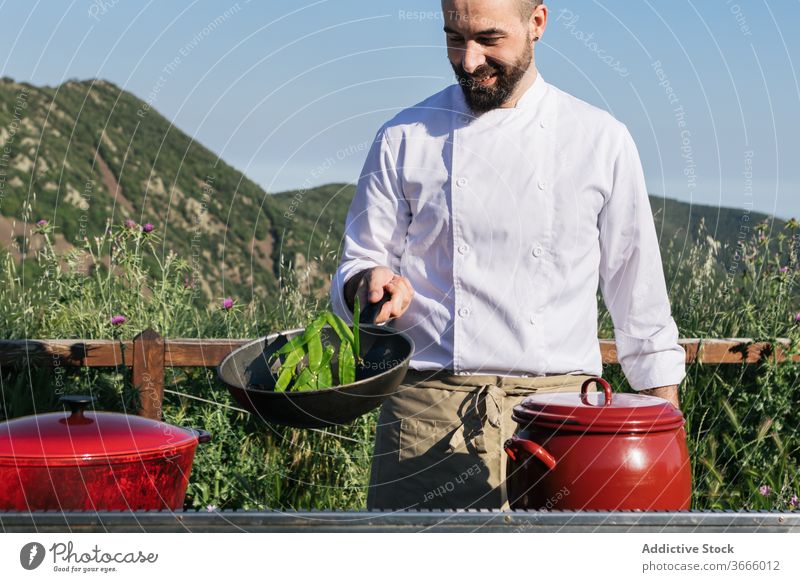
x=491 y=212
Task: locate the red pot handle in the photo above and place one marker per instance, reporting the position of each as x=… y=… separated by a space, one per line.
x=605 y=385
x=203 y=436
x=513 y=445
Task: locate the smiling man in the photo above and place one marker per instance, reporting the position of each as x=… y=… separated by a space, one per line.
x=491 y=212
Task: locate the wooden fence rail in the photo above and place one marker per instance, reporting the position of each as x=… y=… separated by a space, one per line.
x=148 y=354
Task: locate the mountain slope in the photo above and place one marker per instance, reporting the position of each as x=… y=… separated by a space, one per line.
x=91 y=152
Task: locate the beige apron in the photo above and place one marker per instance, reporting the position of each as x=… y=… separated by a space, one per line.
x=439 y=441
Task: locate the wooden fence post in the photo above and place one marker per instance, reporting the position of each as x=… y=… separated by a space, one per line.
x=148 y=372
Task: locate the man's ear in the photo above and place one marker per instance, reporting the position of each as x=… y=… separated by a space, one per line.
x=538 y=22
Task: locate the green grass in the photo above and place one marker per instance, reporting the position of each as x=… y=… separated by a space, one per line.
x=742 y=421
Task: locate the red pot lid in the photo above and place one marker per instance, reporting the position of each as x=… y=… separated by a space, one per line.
x=598 y=412
x=81 y=435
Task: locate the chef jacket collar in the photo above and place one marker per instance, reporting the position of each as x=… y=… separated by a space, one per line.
x=529 y=100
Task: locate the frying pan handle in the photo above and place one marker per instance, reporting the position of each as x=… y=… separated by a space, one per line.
x=603 y=384
x=371 y=310
x=514 y=444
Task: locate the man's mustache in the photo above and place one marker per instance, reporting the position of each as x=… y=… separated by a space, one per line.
x=480 y=73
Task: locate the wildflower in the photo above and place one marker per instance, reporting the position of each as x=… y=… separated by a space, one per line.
x=784 y=270
x=118 y=320
x=227 y=303
x=147 y=228
x=43 y=227
x=797 y=318
x=130 y=223
x=765 y=490
x=794 y=502
x=211 y=508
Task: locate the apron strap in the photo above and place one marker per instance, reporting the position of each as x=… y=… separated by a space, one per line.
x=512 y=385
x=485 y=406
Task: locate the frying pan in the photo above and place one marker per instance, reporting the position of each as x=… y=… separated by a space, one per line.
x=251 y=380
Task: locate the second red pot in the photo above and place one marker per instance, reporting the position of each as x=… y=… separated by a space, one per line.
x=599 y=451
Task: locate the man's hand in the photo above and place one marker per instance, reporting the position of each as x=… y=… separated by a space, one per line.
x=667 y=393
x=370 y=285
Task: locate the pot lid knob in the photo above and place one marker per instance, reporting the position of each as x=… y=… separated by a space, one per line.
x=77 y=404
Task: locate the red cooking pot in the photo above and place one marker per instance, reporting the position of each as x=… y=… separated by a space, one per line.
x=598 y=450
x=94 y=461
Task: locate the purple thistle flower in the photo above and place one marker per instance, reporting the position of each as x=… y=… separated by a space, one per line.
x=784 y=270
x=42 y=222
x=130 y=223
x=794 y=502
x=227 y=303
x=797 y=318
x=765 y=490
x=118 y=320
x=147 y=228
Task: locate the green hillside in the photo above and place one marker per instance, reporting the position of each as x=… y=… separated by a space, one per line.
x=90 y=152
x=726 y=225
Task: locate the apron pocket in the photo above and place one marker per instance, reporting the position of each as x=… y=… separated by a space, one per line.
x=423 y=436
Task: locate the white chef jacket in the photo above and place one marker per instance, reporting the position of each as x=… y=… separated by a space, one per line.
x=505 y=224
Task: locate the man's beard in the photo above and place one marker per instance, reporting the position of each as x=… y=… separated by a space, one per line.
x=482 y=99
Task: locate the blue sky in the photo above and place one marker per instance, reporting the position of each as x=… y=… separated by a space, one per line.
x=292 y=93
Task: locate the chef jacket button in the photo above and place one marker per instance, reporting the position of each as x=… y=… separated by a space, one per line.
x=461 y=182
x=542 y=184
x=463 y=312
x=532 y=320
x=537 y=251
x=463 y=249
x=542 y=123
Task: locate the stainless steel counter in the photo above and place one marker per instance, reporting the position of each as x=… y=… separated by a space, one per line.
x=404 y=521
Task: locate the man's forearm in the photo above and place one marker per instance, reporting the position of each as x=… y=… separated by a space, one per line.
x=666 y=392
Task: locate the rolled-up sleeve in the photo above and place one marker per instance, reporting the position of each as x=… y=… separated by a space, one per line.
x=632 y=279
x=376 y=224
